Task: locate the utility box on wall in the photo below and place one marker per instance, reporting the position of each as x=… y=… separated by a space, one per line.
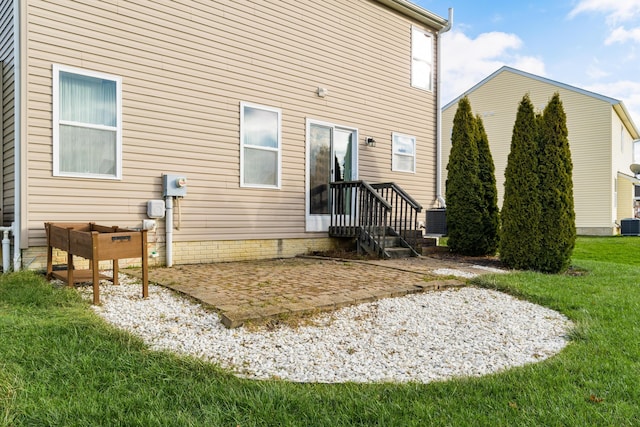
x=155 y=208
x=174 y=185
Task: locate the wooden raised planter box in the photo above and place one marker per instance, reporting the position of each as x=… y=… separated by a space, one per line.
x=95 y=243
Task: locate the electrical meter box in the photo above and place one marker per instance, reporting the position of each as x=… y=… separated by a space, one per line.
x=174 y=185
x=155 y=209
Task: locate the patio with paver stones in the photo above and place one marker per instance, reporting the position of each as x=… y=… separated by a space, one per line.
x=257 y=290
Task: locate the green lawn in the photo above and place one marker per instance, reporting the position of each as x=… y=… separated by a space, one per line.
x=62 y=365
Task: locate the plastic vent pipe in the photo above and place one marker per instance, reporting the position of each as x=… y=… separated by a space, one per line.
x=6 y=248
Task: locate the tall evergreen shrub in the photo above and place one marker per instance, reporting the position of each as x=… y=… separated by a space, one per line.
x=464 y=192
x=520 y=235
x=487 y=175
x=557 y=220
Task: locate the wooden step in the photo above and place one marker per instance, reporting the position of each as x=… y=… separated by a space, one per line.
x=395 y=253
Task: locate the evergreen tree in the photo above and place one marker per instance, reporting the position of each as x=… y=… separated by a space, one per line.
x=487 y=175
x=520 y=239
x=464 y=193
x=557 y=221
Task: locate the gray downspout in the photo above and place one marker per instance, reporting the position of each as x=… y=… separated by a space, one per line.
x=17 y=135
x=439 y=198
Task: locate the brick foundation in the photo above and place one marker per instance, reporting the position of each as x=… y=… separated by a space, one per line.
x=197 y=252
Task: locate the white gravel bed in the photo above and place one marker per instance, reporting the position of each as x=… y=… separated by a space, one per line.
x=466 y=274
x=421 y=337
x=454 y=272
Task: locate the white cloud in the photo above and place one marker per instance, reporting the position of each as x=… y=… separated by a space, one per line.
x=467 y=61
x=622 y=35
x=616 y=10
x=497 y=18
x=530 y=64
x=595 y=72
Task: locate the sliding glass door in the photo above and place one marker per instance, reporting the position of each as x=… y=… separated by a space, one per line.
x=331 y=157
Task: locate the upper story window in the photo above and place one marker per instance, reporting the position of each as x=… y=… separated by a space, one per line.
x=260 y=146
x=87 y=124
x=403 y=153
x=421 y=59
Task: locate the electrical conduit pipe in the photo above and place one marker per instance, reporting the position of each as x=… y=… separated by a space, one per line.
x=169 y=230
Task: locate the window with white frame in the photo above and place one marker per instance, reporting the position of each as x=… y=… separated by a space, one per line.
x=87 y=124
x=421 y=59
x=403 y=153
x=260 y=146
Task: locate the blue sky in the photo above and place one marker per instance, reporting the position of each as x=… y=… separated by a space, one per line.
x=591 y=44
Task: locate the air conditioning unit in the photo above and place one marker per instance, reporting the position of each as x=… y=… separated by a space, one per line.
x=436 y=221
x=630 y=227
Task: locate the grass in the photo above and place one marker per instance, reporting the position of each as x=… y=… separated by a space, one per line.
x=62 y=365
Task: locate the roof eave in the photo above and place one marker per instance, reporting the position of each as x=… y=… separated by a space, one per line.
x=624 y=115
x=630 y=178
x=416 y=12
x=617 y=105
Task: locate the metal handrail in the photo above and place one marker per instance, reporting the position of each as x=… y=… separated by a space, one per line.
x=371 y=211
x=412 y=202
x=358 y=210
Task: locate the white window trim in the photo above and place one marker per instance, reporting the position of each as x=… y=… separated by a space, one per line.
x=278 y=185
x=394 y=153
x=430 y=85
x=56 y=121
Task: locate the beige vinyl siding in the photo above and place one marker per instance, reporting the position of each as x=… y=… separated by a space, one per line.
x=625 y=196
x=185 y=68
x=621 y=147
x=589 y=126
x=7 y=111
x=622 y=158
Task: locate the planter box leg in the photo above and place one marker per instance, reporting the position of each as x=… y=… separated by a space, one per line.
x=70 y=281
x=145 y=266
x=96 y=280
x=114 y=279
